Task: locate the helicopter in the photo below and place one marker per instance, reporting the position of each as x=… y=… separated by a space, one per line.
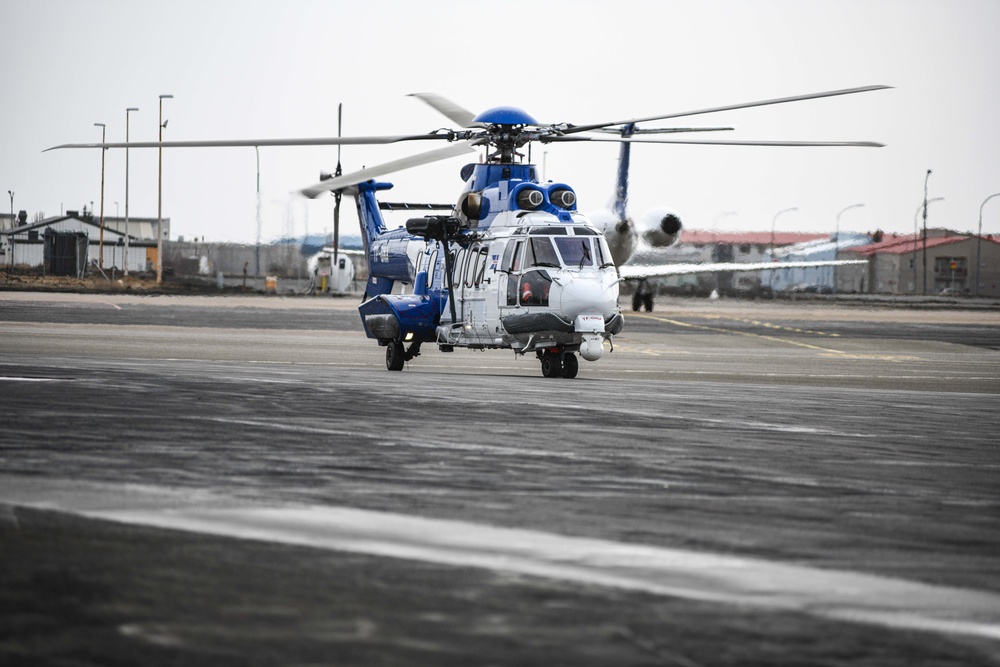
x=513 y=264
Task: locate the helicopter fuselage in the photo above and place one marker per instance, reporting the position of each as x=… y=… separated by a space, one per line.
x=516 y=267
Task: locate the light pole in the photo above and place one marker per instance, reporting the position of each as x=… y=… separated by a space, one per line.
x=11 y=193
x=125 y=261
x=926 y=177
x=159 y=201
x=916 y=232
x=100 y=256
x=979 y=239
x=257 y=251
x=836 y=241
x=774 y=221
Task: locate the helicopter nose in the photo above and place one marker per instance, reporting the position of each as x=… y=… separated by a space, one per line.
x=583 y=294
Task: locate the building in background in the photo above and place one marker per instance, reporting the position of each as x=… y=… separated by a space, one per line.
x=24 y=247
x=896 y=265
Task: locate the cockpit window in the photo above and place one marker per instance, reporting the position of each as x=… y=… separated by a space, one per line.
x=604 y=258
x=541 y=253
x=576 y=252
x=548 y=230
x=585 y=231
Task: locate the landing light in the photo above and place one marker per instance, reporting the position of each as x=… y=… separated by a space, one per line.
x=408 y=337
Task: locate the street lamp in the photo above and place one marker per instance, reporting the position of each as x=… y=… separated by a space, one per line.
x=125 y=259
x=979 y=239
x=100 y=256
x=774 y=221
x=11 y=193
x=257 y=250
x=916 y=215
x=927 y=176
x=836 y=241
x=159 y=201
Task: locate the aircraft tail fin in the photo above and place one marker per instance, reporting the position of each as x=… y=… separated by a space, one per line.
x=372 y=227
x=620 y=205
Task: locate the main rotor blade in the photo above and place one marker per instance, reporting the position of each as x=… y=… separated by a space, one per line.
x=356 y=177
x=226 y=143
x=453 y=112
x=714 y=142
x=781 y=100
x=661 y=130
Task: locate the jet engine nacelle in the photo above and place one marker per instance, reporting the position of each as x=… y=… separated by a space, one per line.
x=665 y=230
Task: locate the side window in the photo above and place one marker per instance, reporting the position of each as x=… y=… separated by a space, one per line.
x=470 y=267
x=481 y=263
x=508 y=256
x=458 y=267
x=473 y=262
x=516 y=261
x=603 y=253
x=534 y=287
x=432 y=265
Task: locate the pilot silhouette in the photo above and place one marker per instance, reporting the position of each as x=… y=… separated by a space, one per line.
x=526 y=294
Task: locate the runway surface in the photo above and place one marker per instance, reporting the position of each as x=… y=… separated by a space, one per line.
x=239 y=480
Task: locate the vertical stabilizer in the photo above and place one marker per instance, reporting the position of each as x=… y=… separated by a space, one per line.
x=372 y=227
x=620 y=205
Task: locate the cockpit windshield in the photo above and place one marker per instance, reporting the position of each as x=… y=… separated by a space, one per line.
x=540 y=252
x=577 y=252
x=570 y=251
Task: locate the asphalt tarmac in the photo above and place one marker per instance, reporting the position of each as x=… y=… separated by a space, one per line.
x=209 y=480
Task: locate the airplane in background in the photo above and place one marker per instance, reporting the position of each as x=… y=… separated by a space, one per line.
x=660 y=228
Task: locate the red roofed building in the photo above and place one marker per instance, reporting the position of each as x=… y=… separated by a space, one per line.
x=896 y=265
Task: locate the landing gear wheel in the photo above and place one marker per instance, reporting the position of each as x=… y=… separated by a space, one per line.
x=570 y=366
x=551 y=368
x=395 y=356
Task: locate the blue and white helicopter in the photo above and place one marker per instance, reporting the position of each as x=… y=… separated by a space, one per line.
x=513 y=264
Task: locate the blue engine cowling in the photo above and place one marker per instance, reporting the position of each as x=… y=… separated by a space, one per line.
x=396 y=316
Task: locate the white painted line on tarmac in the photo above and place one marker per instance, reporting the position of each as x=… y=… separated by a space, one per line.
x=726 y=579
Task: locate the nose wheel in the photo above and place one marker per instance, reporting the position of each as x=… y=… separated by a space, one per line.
x=555 y=364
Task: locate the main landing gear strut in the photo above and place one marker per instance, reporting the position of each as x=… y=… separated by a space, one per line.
x=559 y=364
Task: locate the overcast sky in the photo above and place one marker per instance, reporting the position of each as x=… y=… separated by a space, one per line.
x=256 y=68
